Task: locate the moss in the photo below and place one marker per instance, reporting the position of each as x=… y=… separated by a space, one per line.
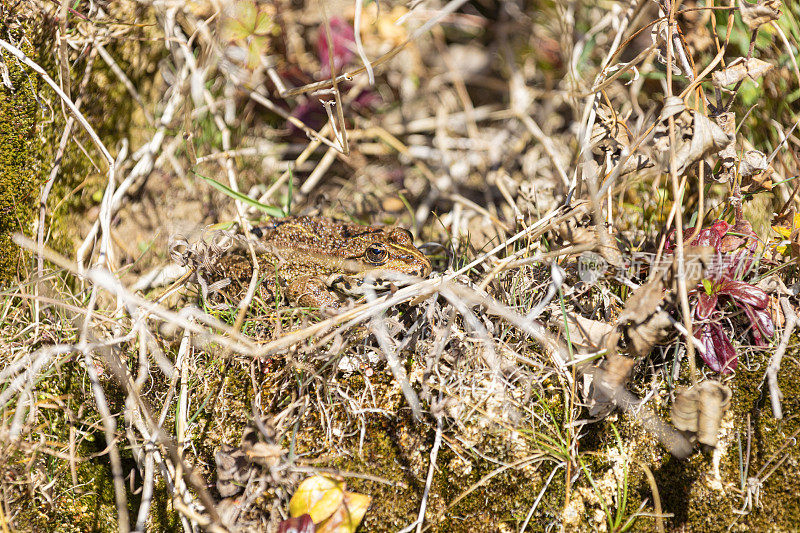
x=699 y=502
x=20 y=172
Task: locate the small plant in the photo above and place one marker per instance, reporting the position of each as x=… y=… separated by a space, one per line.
x=735 y=248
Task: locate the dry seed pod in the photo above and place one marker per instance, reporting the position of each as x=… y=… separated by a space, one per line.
x=684 y=410
x=713 y=400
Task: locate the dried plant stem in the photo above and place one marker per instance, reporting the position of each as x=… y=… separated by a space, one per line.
x=341 y=133
x=676 y=191
x=62 y=146
x=359 y=6
x=771 y=375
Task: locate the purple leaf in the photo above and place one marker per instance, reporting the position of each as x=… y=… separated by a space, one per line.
x=744 y=293
x=710 y=236
x=298 y=524
x=343 y=40
x=720 y=355
x=763 y=328
x=742 y=234
x=705 y=305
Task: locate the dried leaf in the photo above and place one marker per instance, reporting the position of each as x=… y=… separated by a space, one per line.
x=644 y=301
x=727 y=156
x=673 y=106
x=586 y=332
x=570 y=232
x=643 y=336
x=697 y=260
x=642 y=320
x=348 y=516
x=695 y=136
x=762 y=12
x=700 y=410
x=740 y=69
x=708 y=138
x=713 y=399
x=684 y=410
x=753 y=162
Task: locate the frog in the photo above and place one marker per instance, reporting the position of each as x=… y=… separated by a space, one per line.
x=311 y=260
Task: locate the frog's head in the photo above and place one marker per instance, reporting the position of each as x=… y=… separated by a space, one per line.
x=389 y=250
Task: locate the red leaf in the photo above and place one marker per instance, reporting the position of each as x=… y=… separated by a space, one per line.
x=705 y=305
x=763 y=328
x=298 y=524
x=710 y=236
x=343 y=40
x=720 y=355
x=744 y=293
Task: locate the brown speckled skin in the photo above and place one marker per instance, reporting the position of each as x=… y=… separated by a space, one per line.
x=305 y=254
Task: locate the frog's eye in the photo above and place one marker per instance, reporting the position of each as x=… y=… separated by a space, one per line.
x=376 y=254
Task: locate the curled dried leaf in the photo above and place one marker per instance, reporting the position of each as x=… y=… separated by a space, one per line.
x=713 y=401
x=755 y=171
x=699 y=410
x=695 y=136
x=673 y=106
x=684 y=410
x=727 y=156
x=739 y=70
x=642 y=321
x=762 y=12
x=708 y=138
x=753 y=162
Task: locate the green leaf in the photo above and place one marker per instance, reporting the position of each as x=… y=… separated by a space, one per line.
x=268 y=209
x=708 y=286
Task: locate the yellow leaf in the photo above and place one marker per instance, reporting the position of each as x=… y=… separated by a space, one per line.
x=348 y=516
x=318 y=496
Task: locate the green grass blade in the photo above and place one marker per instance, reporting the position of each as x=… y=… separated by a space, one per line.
x=268 y=209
